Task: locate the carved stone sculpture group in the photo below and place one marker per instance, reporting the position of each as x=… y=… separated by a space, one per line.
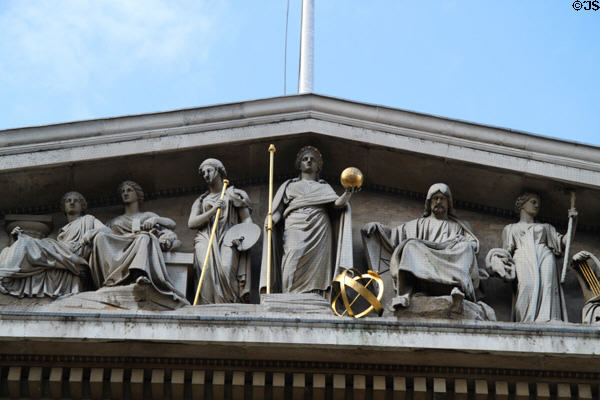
x=433 y=255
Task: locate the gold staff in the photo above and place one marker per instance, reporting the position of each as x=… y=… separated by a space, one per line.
x=270 y=216
x=212 y=237
x=570 y=234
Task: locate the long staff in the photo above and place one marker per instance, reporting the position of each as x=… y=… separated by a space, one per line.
x=569 y=239
x=210 y=241
x=270 y=216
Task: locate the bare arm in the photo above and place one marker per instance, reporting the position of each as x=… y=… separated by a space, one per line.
x=198 y=218
x=149 y=223
x=344 y=198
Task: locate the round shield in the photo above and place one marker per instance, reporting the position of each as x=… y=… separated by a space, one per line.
x=247 y=234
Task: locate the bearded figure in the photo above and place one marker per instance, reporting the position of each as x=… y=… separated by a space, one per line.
x=435 y=255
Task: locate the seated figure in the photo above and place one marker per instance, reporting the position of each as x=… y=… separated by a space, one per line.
x=132 y=250
x=434 y=255
x=33 y=267
x=588 y=274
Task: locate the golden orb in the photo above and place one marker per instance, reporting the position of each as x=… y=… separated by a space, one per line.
x=351 y=178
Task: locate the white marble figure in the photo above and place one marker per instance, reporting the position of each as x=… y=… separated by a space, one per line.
x=33 y=267
x=312 y=231
x=434 y=255
x=132 y=250
x=228 y=272
x=530 y=254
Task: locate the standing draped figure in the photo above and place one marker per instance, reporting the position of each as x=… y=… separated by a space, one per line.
x=132 y=250
x=33 y=267
x=228 y=270
x=312 y=231
x=530 y=254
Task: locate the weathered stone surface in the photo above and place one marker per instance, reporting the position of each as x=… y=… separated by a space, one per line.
x=440 y=307
x=292 y=303
x=136 y=296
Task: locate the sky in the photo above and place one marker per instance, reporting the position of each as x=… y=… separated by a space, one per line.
x=529 y=65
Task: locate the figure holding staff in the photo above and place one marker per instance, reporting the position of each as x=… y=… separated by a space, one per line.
x=530 y=255
x=225 y=235
x=312 y=231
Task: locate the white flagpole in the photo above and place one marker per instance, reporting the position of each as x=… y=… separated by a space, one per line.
x=307 y=58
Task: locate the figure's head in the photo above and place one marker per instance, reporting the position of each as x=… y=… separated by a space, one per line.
x=73 y=203
x=528 y=202
x=439 y=201
x=309 y=159
x=130 y=192
x=210 y=168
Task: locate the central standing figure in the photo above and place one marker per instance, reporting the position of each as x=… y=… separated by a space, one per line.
x=312 y=231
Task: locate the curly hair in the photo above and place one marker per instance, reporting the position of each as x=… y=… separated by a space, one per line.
x=524 y=198
x=135 y=186
x=309 y=149
x=218 y=165
x=82 y=200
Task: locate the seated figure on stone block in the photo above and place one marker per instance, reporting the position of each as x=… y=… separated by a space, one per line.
x=530 y=253
x=33 y=267
x=587 y=267
x=435 y=255
x=132 y=250
x=228 y=272
x=312 y=231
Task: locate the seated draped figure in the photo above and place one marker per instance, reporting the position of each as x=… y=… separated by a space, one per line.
x=132 y=250
x=434 y=255
x=33 y=267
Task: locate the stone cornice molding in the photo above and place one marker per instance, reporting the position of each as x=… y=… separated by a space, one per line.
x=243 y=328
x=282 y=116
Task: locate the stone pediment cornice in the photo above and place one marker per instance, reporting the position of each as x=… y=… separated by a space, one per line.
x=279 y=117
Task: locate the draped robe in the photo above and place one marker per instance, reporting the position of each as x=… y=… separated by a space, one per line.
x=535 y=249
x=33 y=267
x=227 y=276
x=439 y=251
x=309 y=249
x=121 y=256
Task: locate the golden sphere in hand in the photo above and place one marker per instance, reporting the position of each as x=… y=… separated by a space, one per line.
x=351 y=178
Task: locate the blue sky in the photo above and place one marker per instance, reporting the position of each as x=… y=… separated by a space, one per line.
x=527 y=65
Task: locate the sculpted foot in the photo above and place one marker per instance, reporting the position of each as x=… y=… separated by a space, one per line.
x=457 y=300
x=400 y=301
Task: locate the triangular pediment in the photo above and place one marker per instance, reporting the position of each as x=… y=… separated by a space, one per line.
x=397 y=150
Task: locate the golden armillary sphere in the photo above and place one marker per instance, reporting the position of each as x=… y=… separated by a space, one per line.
x=353 y=294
